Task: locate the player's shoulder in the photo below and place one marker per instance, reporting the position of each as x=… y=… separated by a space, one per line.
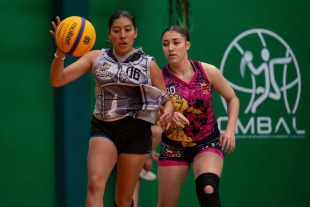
x=208 y=66
x=94 y=52
x=92 y=55
x=153 y=65
x=211 y=71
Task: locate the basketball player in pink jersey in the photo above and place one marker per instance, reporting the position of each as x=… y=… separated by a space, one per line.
x=189 y=84
x=129 y=92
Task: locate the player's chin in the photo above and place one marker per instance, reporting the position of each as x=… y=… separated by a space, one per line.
x=172 y=60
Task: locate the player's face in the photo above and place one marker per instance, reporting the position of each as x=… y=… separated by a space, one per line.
x=175 y=47
x=122 y=35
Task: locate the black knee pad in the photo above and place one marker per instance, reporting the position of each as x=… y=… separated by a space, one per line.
x=132 y=204
x=205 y=199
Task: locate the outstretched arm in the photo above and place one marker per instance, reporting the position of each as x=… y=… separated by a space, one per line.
x=59 y=75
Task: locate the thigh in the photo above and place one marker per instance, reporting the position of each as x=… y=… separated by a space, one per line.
x=208 y=161
x=170 y=182
x=101 y=159
x=129 y=167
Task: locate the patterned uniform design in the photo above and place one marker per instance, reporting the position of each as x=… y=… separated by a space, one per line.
x=124 y=87
x=194 y=101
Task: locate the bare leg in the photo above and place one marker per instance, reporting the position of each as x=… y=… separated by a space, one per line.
x=102 y=156
x=128 y=169
x=208 y=162
x=207 y=168
x=170 y=182
x=136 y=194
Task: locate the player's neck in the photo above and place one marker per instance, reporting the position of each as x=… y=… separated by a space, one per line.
x=182 y=68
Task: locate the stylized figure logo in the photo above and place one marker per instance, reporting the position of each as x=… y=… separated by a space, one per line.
x=263 y=70
x=266 y=67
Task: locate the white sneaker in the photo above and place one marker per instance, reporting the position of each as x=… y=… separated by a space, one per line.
x=147 y=175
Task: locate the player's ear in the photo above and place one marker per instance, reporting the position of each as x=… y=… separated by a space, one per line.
x=109 y=34
x=187 y=45
x=136 y=31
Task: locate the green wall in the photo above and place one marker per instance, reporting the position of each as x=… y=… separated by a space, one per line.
x=265 y=170
x=26 y=105
x=72 y=124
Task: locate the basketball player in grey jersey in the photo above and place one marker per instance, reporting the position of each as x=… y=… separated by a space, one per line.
x=124 y=86
x=129 y=92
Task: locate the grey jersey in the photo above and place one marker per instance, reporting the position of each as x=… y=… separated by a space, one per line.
x=124 y=87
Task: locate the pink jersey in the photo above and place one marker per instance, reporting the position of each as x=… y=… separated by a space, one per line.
x=194 y=101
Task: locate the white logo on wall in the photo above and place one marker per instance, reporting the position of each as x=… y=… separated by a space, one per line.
x=263 y=70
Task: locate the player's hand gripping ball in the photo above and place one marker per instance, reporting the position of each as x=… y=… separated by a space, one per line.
x=75 y=36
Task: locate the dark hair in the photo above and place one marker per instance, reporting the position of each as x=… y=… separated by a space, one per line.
x=178 y=29
x=121 y=13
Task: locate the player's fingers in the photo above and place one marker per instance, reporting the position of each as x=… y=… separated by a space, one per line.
x=176 y=120
x=181 y=117
x=52 y=33
x=162 y=120
x=166 y=118
x=223 y=145
x=168 y=125
x=54 y=25
x=233 y=145
x=58 y=20
x=221 y=140
x=185 y=119
x=228 y=145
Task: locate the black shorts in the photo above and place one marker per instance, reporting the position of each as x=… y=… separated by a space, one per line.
x=129 y=135
x=175 y=154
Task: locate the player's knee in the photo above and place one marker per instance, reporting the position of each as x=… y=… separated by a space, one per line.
x=207 y=189
x=207 y=183
x=95 y=185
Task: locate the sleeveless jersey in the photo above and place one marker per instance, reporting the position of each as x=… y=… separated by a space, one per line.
x=194 y=101
x=124 y=87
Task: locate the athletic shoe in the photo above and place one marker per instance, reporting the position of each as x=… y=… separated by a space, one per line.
x=147 y=175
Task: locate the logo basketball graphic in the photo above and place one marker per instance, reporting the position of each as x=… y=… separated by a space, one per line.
x=263 y=70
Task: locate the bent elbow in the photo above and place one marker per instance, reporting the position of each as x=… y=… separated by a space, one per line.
x=233 y=99
x=237 y=98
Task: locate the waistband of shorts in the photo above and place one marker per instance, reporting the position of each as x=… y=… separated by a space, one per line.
x=209 y=138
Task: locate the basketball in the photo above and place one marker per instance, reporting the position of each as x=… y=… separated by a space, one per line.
x=75 y=36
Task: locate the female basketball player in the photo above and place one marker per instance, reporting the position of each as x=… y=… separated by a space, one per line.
x=190 y=85
x=129 y=91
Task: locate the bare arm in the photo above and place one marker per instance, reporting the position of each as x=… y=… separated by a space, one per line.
x=60 y=76
x=158 y=82
x=220 y=84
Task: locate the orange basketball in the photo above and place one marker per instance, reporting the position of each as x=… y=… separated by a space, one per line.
x=75 y=36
